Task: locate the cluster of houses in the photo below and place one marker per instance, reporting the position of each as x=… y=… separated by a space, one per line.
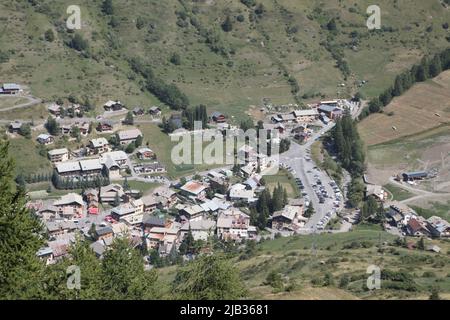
x=410 y=223
x=326 y=111
x=205 y=207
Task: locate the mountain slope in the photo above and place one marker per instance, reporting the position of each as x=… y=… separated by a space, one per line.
x=272 y=47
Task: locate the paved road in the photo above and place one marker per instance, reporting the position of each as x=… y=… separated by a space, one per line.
x=298 y=158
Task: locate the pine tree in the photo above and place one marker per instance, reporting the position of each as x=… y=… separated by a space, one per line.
x=208 y=278
x=309 y=211
x=20 y=238
x=123 y=274
x=187 y=245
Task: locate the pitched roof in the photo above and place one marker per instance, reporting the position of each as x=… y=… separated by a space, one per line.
x=56 y=152
x=99 y=142
x=68 y=199
x=69 y=166
x=129 y=134
x=91 y=164
x=11 y=86
x=193 y=187
x=116 y=155
x=153 y=220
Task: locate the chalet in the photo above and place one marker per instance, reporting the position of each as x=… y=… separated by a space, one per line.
x=99 y=145
x=113 y=106
x=15 y=126
x=138 y=111
x=375 y=191
x=112 y=168
x=194 y=189
x=150 y=221
x=68 y=127
x=415 y=227
x=284 y=118
x=105 y=126
x=215 y=204
x=134 y=207
x=166 y=196
x=219 y=184
x=308 y=115
x=58 y=228
x=239 y=192
x=151 y=203
x=128 y=136
x=218 y=117
x=45 y=139
x=10 y=88
x=119 y=157
x=70 y=205
x=164 y=238
x=91 y=167
x=68 y=169
x=49 y=212
x=400 y=213
x=253 y=182
x=59 y=155
x=110 y=193
x=103 y=233
x=438 y=227
x=145 y=153
x=55 y=109
x=200 y=229
x=233 y=224
x=332 y=112
x=194 y=212
x=418 y=175
x=120 y=229
x=155 y=111
x=289 y=218
x=91 y=197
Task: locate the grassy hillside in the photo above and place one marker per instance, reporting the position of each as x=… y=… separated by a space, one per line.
x=267 y=51
x=312 y=267
x=423 y=107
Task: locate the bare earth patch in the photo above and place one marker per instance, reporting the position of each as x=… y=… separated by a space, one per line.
x=423 y=107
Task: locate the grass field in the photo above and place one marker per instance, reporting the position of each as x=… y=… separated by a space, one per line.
x=36 y=112
x=423 y=107
x=161 y=143
x=27 y=157
x=286 y=180
x=398 y=193
x=144 y=187
x=6 y=102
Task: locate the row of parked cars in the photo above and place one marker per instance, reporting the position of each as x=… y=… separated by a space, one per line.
x=337 y=193
x=323 y=222
x=319 y=189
